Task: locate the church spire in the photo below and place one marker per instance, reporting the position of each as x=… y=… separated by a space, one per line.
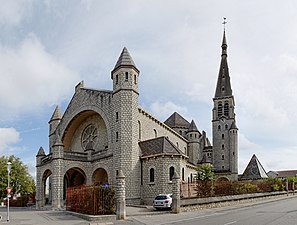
x=223 y=84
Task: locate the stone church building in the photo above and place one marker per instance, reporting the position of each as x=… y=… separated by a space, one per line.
x=104 y=131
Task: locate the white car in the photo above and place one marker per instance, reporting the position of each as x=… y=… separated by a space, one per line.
x=163 y=201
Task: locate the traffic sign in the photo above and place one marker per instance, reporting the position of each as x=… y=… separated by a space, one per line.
x=8 y=192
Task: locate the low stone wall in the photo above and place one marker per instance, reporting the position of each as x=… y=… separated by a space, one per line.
x=192 y=204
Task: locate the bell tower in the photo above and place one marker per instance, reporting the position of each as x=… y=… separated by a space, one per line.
x=224 y=130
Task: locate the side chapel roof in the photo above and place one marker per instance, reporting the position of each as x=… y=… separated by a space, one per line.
x=176 y=120
x=158 y=146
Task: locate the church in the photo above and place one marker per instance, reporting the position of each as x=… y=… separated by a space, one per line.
x=104 y=131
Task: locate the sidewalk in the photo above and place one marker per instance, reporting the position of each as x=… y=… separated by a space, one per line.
x=46 y=216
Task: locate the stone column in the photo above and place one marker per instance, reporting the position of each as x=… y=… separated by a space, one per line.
x=120 y=196
x=57 y=177
x=176 y=193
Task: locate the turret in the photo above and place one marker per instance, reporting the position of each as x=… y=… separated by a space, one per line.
x=194 y=151
x=39 y=156
x=125 y=73
x=125 y=123
x=53 y=124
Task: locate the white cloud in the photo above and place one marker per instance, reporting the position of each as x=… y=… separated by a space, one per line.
x=33 y=78
x=164 y=109
x=12 y=12
x=8 y=138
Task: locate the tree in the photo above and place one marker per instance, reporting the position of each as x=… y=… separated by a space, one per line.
x=21 y=181
x=204 y=172
x=204 y=183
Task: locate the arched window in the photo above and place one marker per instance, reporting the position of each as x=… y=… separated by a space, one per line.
x=219 y=127
x=223 y=146
x=220 y=110
x=176 y=144
x=171 y=173
x=226 y=127
x=135 y=79
x=226 y=109
x=180 y=132
x=139 y=130
x=155 y=132
x=223 y=136
x=126 y=76
x=223 y=157
x=152 y=175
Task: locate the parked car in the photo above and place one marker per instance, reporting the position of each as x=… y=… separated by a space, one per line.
x=163 y=201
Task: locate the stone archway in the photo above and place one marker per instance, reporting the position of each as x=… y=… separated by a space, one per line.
x=73 y=177
x=46 y=192
x=222 y=179
x=100 y=177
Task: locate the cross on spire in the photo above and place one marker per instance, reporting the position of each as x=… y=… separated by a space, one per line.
x=224 y=22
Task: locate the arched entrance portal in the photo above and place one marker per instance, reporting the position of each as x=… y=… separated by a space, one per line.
x=46 y=188
x=100 y=177
x=73 y=177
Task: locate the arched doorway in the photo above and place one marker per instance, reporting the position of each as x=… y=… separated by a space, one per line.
x=100 y=177
x=46 y=188
x=73 y=177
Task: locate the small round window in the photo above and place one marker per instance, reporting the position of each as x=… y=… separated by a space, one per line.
x=89 y=137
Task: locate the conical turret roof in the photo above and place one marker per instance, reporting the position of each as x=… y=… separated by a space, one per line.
x=125 y=60
x=41 y=152
x=223 y=88
x=192 y=127
x=254 y=170
x=57 y=115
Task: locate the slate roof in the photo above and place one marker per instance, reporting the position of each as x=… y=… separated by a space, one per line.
x=233 y=126
x=285 y=173
x=176 y=120
x=125 y=59
x=223 y=88
x=205 y=159
x=254 y=170
x=158 y=146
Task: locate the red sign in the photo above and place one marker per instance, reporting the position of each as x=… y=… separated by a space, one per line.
x=8 y=191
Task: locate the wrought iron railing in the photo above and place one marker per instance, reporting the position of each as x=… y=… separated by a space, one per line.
x=92 y=200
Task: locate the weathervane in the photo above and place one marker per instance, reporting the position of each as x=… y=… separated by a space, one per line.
x=224 y=22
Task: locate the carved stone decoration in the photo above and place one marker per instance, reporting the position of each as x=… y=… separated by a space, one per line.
x=89 y=137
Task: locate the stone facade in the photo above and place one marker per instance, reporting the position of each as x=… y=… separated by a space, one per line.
x=103 y=132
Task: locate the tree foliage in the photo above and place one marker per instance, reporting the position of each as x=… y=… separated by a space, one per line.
x=204 y=172
x=21 y=181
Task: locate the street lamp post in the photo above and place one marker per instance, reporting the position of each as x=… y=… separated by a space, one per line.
x=8 y=184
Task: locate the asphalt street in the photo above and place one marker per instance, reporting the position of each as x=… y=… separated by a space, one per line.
x=277 y=212
x=268 y=212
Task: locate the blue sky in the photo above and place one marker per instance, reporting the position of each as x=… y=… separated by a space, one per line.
x=47 y=47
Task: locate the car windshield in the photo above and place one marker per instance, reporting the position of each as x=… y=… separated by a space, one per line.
x=161 y=197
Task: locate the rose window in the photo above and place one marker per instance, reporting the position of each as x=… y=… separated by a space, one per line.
x=89 y=137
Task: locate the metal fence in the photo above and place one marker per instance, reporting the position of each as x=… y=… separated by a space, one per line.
x=92 y=200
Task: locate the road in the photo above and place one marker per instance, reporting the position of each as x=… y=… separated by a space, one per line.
x=278 y=212
x=268 y=212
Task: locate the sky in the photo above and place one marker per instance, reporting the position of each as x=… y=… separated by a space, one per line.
x=49 y=46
